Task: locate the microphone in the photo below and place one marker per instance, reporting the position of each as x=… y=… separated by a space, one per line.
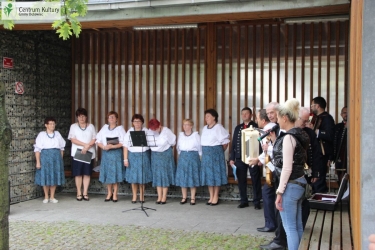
x=273 y=129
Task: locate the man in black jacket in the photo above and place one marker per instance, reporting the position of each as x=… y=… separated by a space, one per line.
x=235 y=159
x=324 y=130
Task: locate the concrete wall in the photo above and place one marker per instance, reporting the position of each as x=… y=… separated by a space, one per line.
x=42 y=61
x=367 y=123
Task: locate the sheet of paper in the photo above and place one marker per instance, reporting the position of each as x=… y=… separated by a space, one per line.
x=271 y=166
x=328 y=199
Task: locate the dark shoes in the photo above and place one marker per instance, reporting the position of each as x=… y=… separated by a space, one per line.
x=184 y=200
x=242 y=205
x=110 y=198
x=208 y=203
x=79 y=197
x=265 y=229
x=257 y=207
x=192 y=202
x=273 y=246
x=86 y=197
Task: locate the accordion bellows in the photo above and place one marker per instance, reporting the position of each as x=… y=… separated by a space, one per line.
x=249 y=144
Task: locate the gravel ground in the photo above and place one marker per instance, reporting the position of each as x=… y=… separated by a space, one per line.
x=77 y=235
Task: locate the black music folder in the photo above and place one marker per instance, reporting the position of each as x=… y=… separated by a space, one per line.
x=112 y=140
x=86 y=158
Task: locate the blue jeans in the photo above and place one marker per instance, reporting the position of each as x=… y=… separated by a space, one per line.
x=291 y=215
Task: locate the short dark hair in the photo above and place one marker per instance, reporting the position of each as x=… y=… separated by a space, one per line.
x=81 y=111
x=49 y=119
x=138 y=116
x=263 y=115
x=320 y=101
x=112 y=113
x=248 y=109
x=213 y=113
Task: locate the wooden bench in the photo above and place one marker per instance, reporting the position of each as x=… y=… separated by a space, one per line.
x=328 y=230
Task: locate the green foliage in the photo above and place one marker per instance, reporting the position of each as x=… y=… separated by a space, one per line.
x=68 y=24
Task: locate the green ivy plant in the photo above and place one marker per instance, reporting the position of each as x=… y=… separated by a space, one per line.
x=68 y=24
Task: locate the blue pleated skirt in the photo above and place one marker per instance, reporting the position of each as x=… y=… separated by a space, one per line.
x=51 y=172
x=188 y=169
x=136 y=168
x=112 y=169
x=163 y=168
x=213 y=166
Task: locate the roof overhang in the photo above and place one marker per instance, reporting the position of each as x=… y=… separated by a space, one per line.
x=120 y=15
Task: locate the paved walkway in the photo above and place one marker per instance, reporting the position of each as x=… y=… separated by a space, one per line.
x=96 y=224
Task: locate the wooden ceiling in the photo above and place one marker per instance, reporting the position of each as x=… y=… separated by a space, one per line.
x=274 y=14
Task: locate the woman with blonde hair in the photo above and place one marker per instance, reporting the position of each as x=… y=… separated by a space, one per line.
x=289 y=157
x=189 y=164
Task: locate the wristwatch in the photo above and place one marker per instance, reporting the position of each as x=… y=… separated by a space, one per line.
x=277 y=192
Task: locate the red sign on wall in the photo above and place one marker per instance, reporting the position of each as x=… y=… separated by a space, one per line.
x=19 y=88
x=7 y=63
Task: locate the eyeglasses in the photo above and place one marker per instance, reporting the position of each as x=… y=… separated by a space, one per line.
x=303 y=121
x=137 y=121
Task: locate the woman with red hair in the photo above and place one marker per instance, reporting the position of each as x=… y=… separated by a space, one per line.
x=162 y=161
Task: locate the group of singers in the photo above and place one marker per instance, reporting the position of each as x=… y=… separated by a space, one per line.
x=201 y=160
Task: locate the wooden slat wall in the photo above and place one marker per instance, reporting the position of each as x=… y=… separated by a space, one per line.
x=159 y=74
x=177 y=74
x=283 y=61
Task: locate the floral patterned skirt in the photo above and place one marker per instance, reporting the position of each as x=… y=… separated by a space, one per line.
x=138 y=171
x=112 y=169
x=163 y=168
x=213 y=166
x=188 y=169
x=51 y=172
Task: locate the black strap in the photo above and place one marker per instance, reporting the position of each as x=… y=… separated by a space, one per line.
x=298 y=183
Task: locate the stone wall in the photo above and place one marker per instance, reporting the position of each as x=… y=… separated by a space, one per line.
x=42 y=61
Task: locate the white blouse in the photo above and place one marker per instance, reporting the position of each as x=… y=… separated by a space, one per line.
x=189 y=143
x=217 y=135
x=48 y=141
x=164 y=140
x=128 y=143
x=85 y=136
x=105 y=133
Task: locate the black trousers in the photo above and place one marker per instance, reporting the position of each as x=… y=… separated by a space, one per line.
x=255 y=174
x=269 y=197
x=320 y=186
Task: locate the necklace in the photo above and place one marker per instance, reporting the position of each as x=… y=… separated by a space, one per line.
x=109 y=127
x=208 y=126
x=83 y=129
x=188 y=135
x=51 y=137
